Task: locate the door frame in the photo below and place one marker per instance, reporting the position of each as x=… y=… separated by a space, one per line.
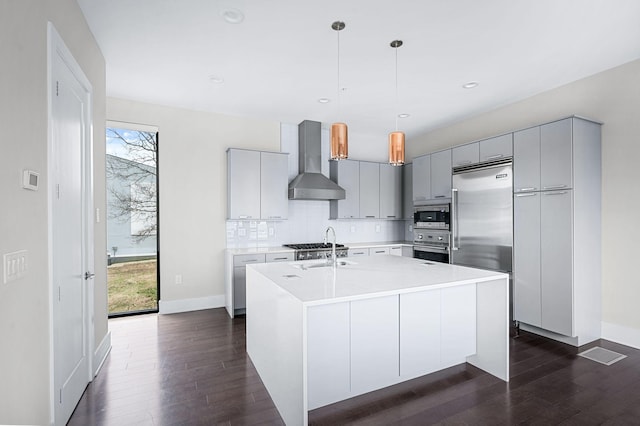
x=56 y=46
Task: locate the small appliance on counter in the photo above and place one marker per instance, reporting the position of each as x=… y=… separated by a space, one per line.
x=309 y=251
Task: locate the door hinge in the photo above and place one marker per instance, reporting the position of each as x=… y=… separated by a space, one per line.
x=59 y=295
x=57 y=88
x=60 y=395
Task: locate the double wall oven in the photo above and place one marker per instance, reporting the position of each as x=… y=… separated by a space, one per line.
x=431 y=233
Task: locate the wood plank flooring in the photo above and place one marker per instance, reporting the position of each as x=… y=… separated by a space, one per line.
x=192 y=369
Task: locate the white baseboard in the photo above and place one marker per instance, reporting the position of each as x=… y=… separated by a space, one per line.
x=621 y=334
x=187 y=305
x=101 y=352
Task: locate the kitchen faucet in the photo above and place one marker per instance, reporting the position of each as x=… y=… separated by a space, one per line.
x=333 y=244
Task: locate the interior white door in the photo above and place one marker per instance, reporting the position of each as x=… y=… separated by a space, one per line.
x=70 y=256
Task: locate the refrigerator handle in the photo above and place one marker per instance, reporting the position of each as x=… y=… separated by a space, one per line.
x=454 y=220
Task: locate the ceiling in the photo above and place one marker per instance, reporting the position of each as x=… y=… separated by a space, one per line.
x=282 y=58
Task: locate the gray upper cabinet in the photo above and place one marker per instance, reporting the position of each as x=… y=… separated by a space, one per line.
x=465 y=155
x=256 y=185
x=407 y=188
x=422 y=178
x=556 y=155
x=346 y=173
x=496 y=148
x=390 y=191
x=441 y=174
x=526 y=160
x=369 y=190
x=274 y=182
x=243 y=184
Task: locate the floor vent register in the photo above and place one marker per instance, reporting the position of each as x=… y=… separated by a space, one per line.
x=601 y=355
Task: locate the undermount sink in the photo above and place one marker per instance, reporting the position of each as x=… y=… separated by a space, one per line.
x=321 y=264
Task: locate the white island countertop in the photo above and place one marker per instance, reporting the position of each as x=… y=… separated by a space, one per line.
x=365 y=277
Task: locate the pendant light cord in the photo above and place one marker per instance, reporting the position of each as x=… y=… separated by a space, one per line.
x=339 y=97
x=397 y=102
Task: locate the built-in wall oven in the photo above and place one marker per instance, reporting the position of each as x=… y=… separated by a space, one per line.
x=435 y=216
x=431 y=245
x=431 y=235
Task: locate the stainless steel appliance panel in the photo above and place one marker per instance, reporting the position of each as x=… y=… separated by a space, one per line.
x=482 y=224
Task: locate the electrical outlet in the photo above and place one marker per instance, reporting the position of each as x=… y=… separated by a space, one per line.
x=15 y=265
x=179 y=279
x=377 y=228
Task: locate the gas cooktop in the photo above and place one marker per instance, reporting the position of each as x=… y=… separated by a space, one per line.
x=317 y=250
x=312 y=246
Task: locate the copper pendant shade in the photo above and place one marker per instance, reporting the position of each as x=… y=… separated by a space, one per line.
x=396 y=148
x=339 y=141
x=339 y=131
x=396 y=139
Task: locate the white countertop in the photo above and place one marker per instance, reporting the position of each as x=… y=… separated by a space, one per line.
x=365 y=277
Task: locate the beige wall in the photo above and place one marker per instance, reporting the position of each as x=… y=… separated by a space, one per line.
x=612 y=97
x=193 y=189
x=24 y=304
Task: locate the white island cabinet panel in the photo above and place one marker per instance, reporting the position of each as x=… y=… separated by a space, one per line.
x=374 y=343
x=419 y=333
x=328 y=354
x=458 y=319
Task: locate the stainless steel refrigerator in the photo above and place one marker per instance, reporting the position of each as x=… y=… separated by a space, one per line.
x=482 y=216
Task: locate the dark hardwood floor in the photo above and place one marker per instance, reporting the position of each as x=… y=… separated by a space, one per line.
x=192 y=369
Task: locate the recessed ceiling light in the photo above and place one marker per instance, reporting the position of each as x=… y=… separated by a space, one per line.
x=470 y=85
x=404 y=115
x=232 y=15
x=215 y=79
x=324 y=100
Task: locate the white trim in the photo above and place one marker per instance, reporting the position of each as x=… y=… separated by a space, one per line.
x=101 y=352
x=57 y=46
x=622 y=334
x=187 y=305
x=132 y=126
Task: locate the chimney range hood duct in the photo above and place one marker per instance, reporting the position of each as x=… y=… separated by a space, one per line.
x=311 y=184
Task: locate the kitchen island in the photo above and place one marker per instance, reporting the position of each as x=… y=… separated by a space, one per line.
x=318 y=334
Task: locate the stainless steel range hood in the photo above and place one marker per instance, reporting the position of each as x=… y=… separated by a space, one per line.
x=311 y=184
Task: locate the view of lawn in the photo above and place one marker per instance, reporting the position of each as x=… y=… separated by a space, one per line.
x=132 y=286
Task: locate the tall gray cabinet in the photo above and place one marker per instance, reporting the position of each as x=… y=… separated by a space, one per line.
x=557 y=262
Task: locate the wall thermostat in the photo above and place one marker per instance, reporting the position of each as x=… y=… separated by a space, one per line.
x=30 y=180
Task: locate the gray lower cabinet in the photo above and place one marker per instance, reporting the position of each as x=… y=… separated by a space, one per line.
x=556 y=259
x=390 y=191
x=236 y=285
x=257 y=184
x=369 y=190
x=346 y=173
x=527 y=298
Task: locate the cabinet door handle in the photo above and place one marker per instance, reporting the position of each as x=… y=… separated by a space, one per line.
x=391 y=216
x=526 y=189
x=556 y=193
x=528 y=194
x=275 y=217
x=555 y=187
x=280 y=258
x=244 y=216
x=370 y=217
x=250 y=261
x=493 y=157
x=439 y=196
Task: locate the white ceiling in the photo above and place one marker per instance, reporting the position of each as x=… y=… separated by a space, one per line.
x=282 y=58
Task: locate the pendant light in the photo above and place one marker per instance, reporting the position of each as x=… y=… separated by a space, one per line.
x=396 y=139
x=339 y=136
